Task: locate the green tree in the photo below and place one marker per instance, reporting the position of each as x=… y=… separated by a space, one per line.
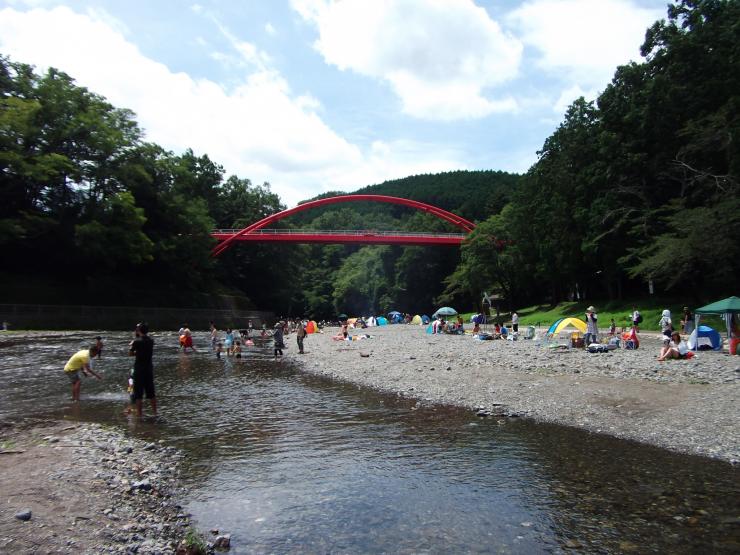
x=361 y=285
x=115 y=238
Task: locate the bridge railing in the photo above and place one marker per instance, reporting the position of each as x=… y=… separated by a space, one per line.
x=348 y=233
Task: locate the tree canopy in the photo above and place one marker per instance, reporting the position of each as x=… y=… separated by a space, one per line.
x=639 y=185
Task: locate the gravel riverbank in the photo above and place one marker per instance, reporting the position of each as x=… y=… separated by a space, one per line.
x=690 y=406
x=83 y=488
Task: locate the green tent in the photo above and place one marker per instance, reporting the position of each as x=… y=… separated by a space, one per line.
x=726 y=307
x=730 y=304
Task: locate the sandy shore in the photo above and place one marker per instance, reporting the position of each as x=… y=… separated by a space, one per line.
x=690 y=406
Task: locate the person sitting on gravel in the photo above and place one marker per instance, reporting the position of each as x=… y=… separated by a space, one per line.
x=674 y=348
x=631 y=336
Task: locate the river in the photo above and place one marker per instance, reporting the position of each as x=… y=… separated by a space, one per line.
x=288 y=462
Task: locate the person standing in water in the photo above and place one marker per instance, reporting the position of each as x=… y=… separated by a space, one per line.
x=277 y=338
x=99 y=345
x=143 y=348
x=80 y=362
x=214 y=336
x=186 y=339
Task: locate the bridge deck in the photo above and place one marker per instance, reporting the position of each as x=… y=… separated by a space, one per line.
x=361 y=236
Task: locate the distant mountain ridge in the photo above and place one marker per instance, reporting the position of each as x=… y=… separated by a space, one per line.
x=474 y=195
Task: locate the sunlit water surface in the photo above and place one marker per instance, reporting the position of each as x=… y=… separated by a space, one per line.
x=288 y=462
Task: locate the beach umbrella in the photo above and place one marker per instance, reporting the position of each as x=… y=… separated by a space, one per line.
x=394 y=313
x=445 y=311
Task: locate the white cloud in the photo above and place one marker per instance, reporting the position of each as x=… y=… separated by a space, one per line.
x=570 y=94
x=583 y=40
x=248 y=52
x=270 y=30
x=441 y=57
x=258 y=129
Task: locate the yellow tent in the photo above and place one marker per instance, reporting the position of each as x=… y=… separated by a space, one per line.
x=580 y=325
x=416 y=320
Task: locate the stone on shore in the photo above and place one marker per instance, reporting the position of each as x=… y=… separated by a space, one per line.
x=24 y=515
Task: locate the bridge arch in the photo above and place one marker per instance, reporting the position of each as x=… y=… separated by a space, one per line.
x=454 y=219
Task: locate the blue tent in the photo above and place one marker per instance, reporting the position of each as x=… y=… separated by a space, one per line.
x=704 y=335
x=395 y=317
x=382 y=321
x=425 y=319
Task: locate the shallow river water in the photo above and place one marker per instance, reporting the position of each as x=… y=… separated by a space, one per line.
x=288 y=462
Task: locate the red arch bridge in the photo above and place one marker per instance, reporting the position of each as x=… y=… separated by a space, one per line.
x=258 y=231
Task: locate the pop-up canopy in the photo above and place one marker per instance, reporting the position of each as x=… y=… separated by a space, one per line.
x=726 y=308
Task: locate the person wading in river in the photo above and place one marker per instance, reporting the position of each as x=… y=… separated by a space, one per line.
x=143 y=348
x=80 y=362
x=277 y=338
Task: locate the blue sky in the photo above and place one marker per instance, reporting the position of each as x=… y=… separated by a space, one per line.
x=319 y=95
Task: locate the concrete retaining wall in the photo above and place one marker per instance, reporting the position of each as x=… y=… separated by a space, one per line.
x=55 y=317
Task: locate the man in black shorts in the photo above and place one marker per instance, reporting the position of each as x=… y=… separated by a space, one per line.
x=142 y=348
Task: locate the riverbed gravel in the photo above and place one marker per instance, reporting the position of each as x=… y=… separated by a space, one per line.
x=85 y=488
x=689 y=406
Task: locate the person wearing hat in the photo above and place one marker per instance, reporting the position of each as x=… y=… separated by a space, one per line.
x=592 y=328
x=277 y=338
x=666 y=325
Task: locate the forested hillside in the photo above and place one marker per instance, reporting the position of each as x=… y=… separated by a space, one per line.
x=377 y=279
x=641 y=184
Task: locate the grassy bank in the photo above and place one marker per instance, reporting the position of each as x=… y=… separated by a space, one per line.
x=650 y=308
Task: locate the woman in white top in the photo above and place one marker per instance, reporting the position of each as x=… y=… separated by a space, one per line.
x=674 y=348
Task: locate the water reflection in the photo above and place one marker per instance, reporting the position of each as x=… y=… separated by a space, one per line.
x=290 y=462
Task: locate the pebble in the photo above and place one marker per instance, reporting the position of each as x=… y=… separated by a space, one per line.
x=24 y=515
x=142 y=523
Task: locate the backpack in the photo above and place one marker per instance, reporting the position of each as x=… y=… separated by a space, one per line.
x=639 y=318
